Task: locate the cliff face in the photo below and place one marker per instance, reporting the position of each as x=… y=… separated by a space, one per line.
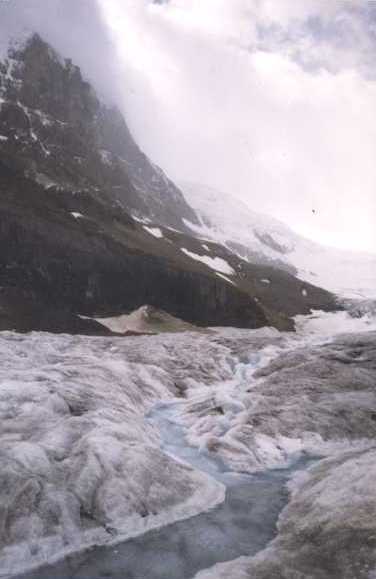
x=78 y=200
x=56 y=130
x=101 y=262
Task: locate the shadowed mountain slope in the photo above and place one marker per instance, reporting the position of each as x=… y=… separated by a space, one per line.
x=88 y=225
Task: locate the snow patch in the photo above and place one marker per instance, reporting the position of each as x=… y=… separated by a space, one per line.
x=44 y=119
x=37 y=140
x=216 y=263
x=106 y=156
x=155 y=231
x=143 y=220
x=221 y=275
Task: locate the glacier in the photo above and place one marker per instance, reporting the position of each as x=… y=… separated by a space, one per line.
x=86 y=459
x=79 y=464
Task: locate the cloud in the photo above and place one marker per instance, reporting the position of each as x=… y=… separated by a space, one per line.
x=273 y=102
x=75 y=28
x=269 y=101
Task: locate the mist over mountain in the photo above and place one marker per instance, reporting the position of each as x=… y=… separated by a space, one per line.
x=270 y=102
x=235 y=83
x=79 y=203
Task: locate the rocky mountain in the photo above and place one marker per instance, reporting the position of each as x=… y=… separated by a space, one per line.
x=90 y=228
x=56 y=131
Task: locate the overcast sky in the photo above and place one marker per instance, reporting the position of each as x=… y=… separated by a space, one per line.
x=272 y=101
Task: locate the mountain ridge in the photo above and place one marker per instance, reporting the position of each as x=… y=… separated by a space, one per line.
x=47 y=95
x=89 y=233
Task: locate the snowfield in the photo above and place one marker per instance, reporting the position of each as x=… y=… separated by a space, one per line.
x=216 y=263
x=154 y=231
x=81 y=463
x=259 y=238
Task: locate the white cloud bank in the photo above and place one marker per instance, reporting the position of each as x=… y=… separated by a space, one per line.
x=272 y=101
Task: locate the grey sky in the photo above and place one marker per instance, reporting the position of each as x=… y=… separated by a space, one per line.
x=273 y=101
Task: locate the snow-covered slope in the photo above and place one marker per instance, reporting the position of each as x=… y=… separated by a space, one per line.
x=260 y=239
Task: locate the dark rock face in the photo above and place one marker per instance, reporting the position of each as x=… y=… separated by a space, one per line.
x=60 y=134
x=71 y=176
x=21 y=312
x=103 y=262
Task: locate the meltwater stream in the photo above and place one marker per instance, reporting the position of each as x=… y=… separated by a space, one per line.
x=242 y=525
